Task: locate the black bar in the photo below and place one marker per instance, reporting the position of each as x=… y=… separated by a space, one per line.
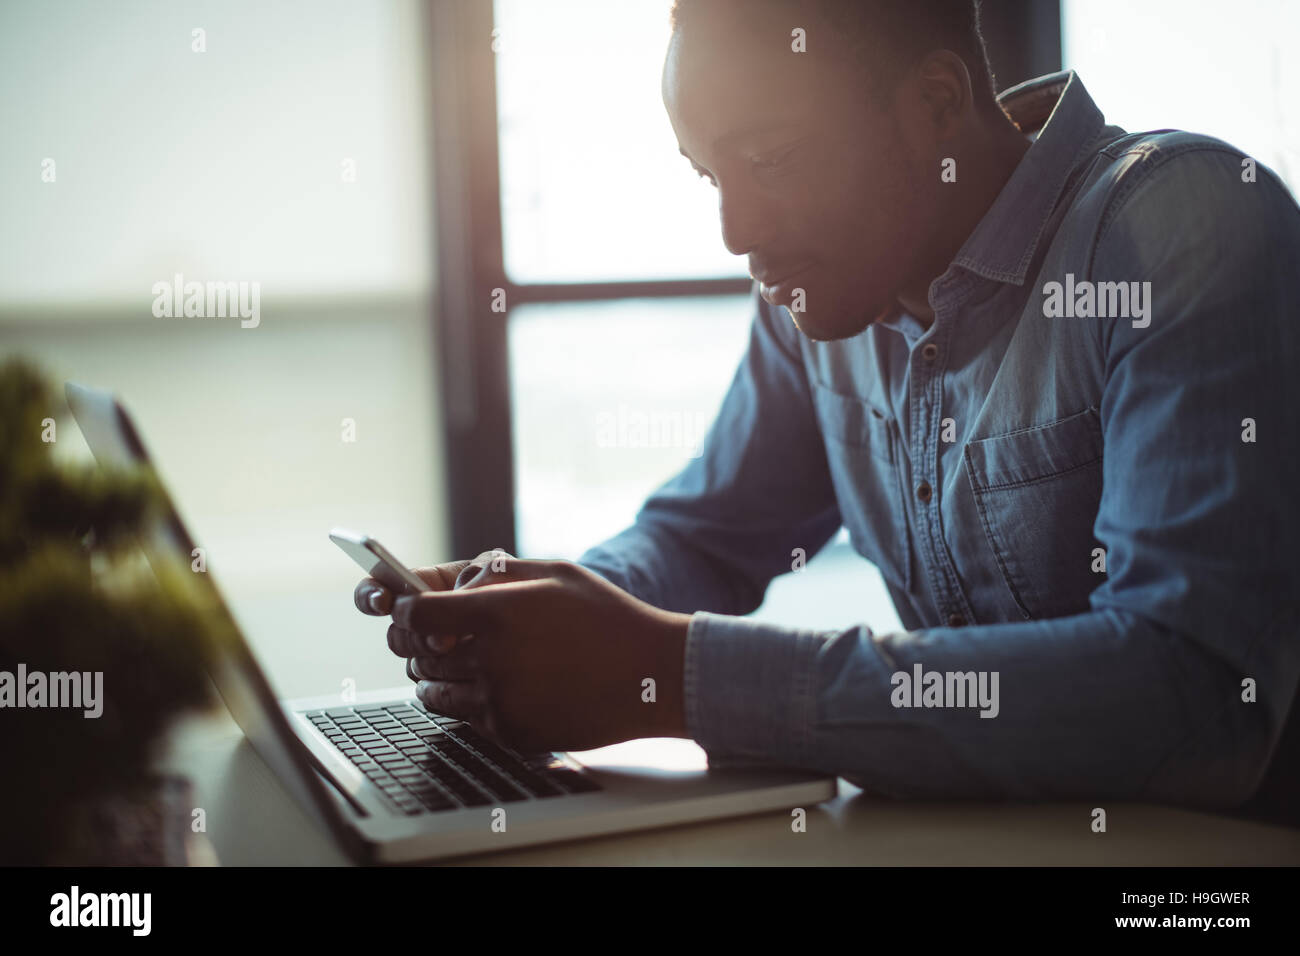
x=1030 y=904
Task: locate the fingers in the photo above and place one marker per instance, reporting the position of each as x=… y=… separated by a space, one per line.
x=463 y=699
x=407 y=643
x=498 y=567
x=442 y=612
x=460 y=665
x=442 y=577
x=371 y=597
x=467 y=611
x=490 y=567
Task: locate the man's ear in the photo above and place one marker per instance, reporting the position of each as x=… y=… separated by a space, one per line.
x=942 y=92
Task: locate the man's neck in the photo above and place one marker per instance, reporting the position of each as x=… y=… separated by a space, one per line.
x=994 y=165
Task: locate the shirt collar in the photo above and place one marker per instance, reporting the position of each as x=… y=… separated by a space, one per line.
x=1003 y=244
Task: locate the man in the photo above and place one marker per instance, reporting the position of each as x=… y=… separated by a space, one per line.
x=1049 y=389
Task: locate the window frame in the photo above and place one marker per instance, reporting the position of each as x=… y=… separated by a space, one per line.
x=470 y=339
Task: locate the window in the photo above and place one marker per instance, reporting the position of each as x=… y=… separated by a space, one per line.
x=592 y=186
x=1224 y=69
x=231 y=164
x=610 y=397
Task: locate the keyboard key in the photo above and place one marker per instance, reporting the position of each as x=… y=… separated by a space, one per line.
x=481 y=773
x=474 y=799
x=505 y=759
x=456 y=783
x=437 y=802
x=572 y=781
x=537 y=786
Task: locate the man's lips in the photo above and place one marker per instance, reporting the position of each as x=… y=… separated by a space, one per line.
x=777 y=287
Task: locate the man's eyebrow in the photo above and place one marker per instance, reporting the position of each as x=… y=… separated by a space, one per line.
x=726 y=138
x=754 y=130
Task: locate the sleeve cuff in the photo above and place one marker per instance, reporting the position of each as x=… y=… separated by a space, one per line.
x=748 y=690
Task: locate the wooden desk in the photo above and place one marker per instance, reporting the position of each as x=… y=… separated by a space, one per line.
x=252 y=820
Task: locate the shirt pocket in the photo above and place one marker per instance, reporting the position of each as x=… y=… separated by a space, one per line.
x=863 y=449
x=1037 y=491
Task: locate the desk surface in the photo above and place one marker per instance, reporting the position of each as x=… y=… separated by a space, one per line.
x=252 y=820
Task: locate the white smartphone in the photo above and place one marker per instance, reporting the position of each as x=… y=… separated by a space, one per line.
x=378 y=562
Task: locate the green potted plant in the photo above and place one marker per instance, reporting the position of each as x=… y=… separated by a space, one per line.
x=99 y=650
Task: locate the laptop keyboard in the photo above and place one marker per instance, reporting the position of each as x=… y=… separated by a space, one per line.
x=423 y=762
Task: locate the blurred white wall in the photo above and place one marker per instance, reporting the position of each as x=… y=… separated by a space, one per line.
x=1224 y=69
x=236 y=164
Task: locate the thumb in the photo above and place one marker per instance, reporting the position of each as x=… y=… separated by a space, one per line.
x=447 y=612
x=482 y=569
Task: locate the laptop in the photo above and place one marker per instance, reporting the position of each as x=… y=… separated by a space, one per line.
x=396 y=783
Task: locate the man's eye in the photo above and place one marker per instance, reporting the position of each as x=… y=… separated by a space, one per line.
x=773 y=164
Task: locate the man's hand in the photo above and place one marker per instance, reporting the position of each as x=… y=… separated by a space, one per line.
x=541 y=655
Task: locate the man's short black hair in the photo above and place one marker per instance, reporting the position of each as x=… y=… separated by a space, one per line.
x=890 y=36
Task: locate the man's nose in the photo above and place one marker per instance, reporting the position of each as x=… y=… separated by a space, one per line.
x=746 y=221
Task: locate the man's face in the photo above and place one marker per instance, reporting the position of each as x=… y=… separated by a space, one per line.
x=817 y=185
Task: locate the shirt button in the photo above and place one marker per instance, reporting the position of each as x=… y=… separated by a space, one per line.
x=923 y=491
x=929 y=351
x=956 y=620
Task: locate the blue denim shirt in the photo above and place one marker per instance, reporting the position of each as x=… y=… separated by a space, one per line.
x=1077 y=504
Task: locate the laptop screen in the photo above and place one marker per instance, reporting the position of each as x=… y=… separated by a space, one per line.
x=116 y=443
